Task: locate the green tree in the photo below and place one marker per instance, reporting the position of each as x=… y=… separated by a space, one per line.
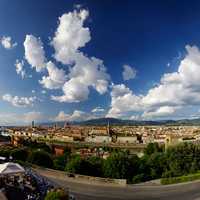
x=182 y=159
x=78 y=165
x=152 y=148
x=20 y=154
x=95 y=166
x=121 y=165
x=144 y=171
x=34 y=145
x=60 y=162
x=41 y=158
x=157 y=164
x=5 y=152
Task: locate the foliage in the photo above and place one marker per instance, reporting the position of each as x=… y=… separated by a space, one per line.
x=176 y=161
x=95 y=166
x=42 y=158
x=36 y=145
x=56 y=195
x=139 y=178
x=60 y=162
x=180 y=179
x=153 y=148
x=5 y=151
x=121 y=166
x=182 y=159
x=156 y=163
x=20 y=154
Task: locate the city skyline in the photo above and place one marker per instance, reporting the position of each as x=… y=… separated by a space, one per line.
x=78 y=60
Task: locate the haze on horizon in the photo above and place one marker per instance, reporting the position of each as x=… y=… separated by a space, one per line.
x=78 y=60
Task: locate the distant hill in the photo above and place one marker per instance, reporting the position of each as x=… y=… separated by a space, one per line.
x=120 y=122
x=115 y=121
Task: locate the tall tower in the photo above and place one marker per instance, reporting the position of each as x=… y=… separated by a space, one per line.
x=55 y=126
x=32 y=124
x=66 y=125
x=108 y=128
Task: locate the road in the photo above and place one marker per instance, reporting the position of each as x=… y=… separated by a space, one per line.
x=189 y=191
x=85 y=191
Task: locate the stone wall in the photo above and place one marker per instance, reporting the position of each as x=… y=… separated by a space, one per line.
x=49 y=173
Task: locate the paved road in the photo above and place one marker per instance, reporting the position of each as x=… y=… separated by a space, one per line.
x=84 y=191
x=189 y=191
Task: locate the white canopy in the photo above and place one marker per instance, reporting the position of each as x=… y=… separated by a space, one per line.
x=11 y=168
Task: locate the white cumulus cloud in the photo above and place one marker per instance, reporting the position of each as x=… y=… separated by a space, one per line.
x=128 y=72
x=20 y=68
x=176 y=91
x=84 y=72
x=70 y=35
x=56 y=77
x=21 y=119
x=122 y=101
x=7 y=43
x=97 y=109
x=19 y=101
x=34 y=52
x=77 y=115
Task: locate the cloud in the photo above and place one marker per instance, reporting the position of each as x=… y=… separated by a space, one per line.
x=97 y=110
x=70 y=36
x=78 y=6
x=168 y=64
x=19 y=101
x=77 y=115
x=122 y=101
x=20 y=68
x=128 y=72
x=55 y=79
x=43 y=91
x=33 y=116
x=20 y=119
x=159 y=112
x=84 y=72
x=179 y=88
x=7 y=43
x=34 y=52
x=176 y=91
x=74 y=91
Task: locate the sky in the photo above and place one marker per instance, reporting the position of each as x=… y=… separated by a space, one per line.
x=73 y=60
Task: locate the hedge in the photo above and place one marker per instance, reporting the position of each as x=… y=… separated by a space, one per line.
x=180 y=179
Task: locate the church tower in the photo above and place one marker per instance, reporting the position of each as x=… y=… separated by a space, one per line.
x=108 y=128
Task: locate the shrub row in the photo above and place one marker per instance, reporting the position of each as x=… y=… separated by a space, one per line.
x=180 y=179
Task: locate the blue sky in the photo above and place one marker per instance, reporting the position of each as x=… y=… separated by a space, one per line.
x=76 y=60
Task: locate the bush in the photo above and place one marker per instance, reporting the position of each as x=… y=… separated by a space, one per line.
x=56 y=195
x=180 y=179
x=139 y=178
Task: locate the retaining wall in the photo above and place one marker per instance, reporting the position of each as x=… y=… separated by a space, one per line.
x=78 y=178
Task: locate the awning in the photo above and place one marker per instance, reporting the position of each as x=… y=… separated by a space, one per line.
x=11 y=168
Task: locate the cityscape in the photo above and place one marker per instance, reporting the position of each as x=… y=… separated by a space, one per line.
x=99 y=100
